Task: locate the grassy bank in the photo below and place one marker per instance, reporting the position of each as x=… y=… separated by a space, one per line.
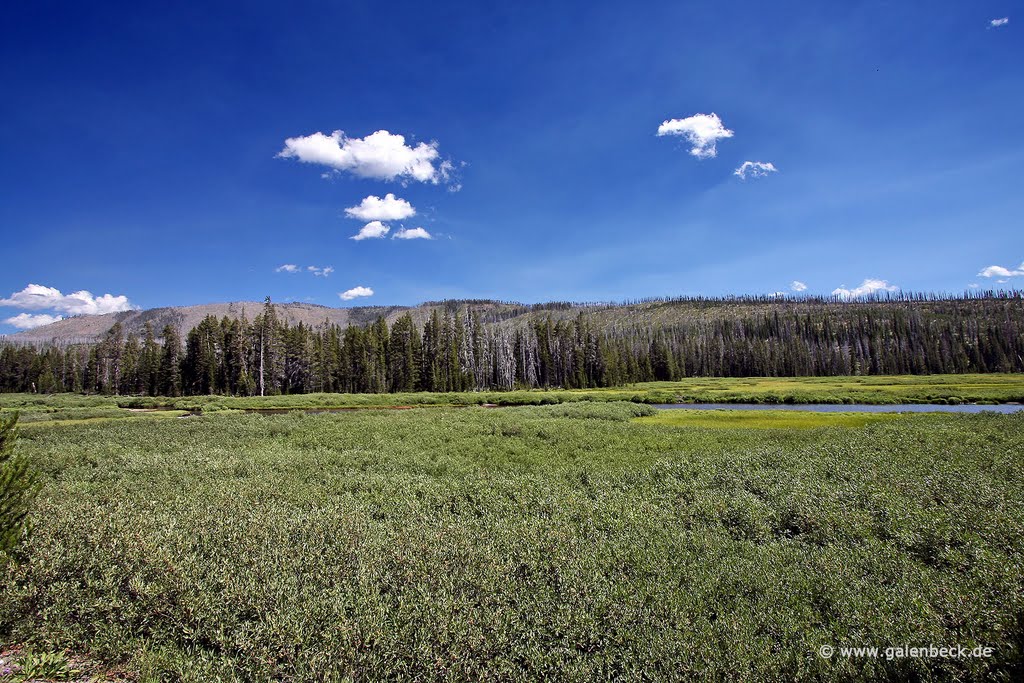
x=949 y=389
x=765 y=419
x=574 y=542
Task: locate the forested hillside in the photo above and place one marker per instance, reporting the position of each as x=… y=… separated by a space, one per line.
x=465 y=345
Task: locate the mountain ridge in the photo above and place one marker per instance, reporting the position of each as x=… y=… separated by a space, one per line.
x=85 y=329
x=91 y=328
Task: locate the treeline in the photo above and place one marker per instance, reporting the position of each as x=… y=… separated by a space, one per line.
x=457 y=349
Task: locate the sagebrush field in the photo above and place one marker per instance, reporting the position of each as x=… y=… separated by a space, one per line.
x=570 y=542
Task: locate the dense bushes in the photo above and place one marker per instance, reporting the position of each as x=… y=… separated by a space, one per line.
x=564 y=542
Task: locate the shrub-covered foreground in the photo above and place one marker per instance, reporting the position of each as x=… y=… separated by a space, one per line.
x=567 y=542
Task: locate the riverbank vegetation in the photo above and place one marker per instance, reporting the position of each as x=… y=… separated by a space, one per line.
x=37 y=409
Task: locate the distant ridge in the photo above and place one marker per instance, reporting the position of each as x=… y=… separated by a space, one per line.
x=91 y=328
x=642 y=312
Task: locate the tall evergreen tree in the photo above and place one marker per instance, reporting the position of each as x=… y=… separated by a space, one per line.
x=170 y=363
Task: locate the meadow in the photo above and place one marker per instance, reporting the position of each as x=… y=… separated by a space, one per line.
x=581 y=541
x=879 y=389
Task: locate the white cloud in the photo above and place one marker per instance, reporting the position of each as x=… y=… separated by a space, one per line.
x=974 y=285
x=38 y=297
x=320 y=272
x=316 y=270
x=999 y=22
x=26 y=321
x=374 y=208
x=381 y=155
x=371 y=230
x=866 y=288
x=797 y=286
x=702 y=131
x=355 y=293
x=756 y=169
x=412 y=234
x=999 y=271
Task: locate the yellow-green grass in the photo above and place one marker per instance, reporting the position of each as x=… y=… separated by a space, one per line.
x=35 y=421
x=765 y=419
x=880 y=389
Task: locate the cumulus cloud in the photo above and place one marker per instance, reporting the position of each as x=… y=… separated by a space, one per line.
x=412 y=234
x=866 y=288
x=381 y=155
x=38 y=298
x=373 y=208
x=287 y=268
x=26 y=321
x=355 y=293
x=1001 y=272
x=320 y=272
x=702 y=131
x=797 y=286
x=995 y=23
x=372 y=230
x=755 y=169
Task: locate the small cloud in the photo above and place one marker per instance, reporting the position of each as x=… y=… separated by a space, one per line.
x=973 y=285
x=38 y=297
x=372 y=230
x=412 y=234
x=797 y=286
x=320 y=272
x=355 y=293
x=315 y=270
x=26 y=321
x=373 y=208
x=866 y=288
x=999 y=271
x=702 y=131
x=755 y=169
x=381 y=155
x=996 y=23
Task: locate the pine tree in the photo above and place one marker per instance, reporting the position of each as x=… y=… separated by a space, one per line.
x=130 y=376
x=403 y=359
x=268 y=351
x=17 y=487
x=170 y=363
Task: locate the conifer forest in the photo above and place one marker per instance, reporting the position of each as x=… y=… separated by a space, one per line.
x=465 y=346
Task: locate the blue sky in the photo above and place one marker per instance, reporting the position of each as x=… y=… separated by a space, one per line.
x=141 y=146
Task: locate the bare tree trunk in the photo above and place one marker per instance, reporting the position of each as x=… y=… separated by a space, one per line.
x=261 y=362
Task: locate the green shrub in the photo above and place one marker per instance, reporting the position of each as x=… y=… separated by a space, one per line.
x=17 y=487
x=49 y=666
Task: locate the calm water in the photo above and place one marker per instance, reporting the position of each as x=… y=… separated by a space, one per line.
x=847 y=408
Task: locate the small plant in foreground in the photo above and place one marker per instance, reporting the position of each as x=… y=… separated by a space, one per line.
x=48 y=666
